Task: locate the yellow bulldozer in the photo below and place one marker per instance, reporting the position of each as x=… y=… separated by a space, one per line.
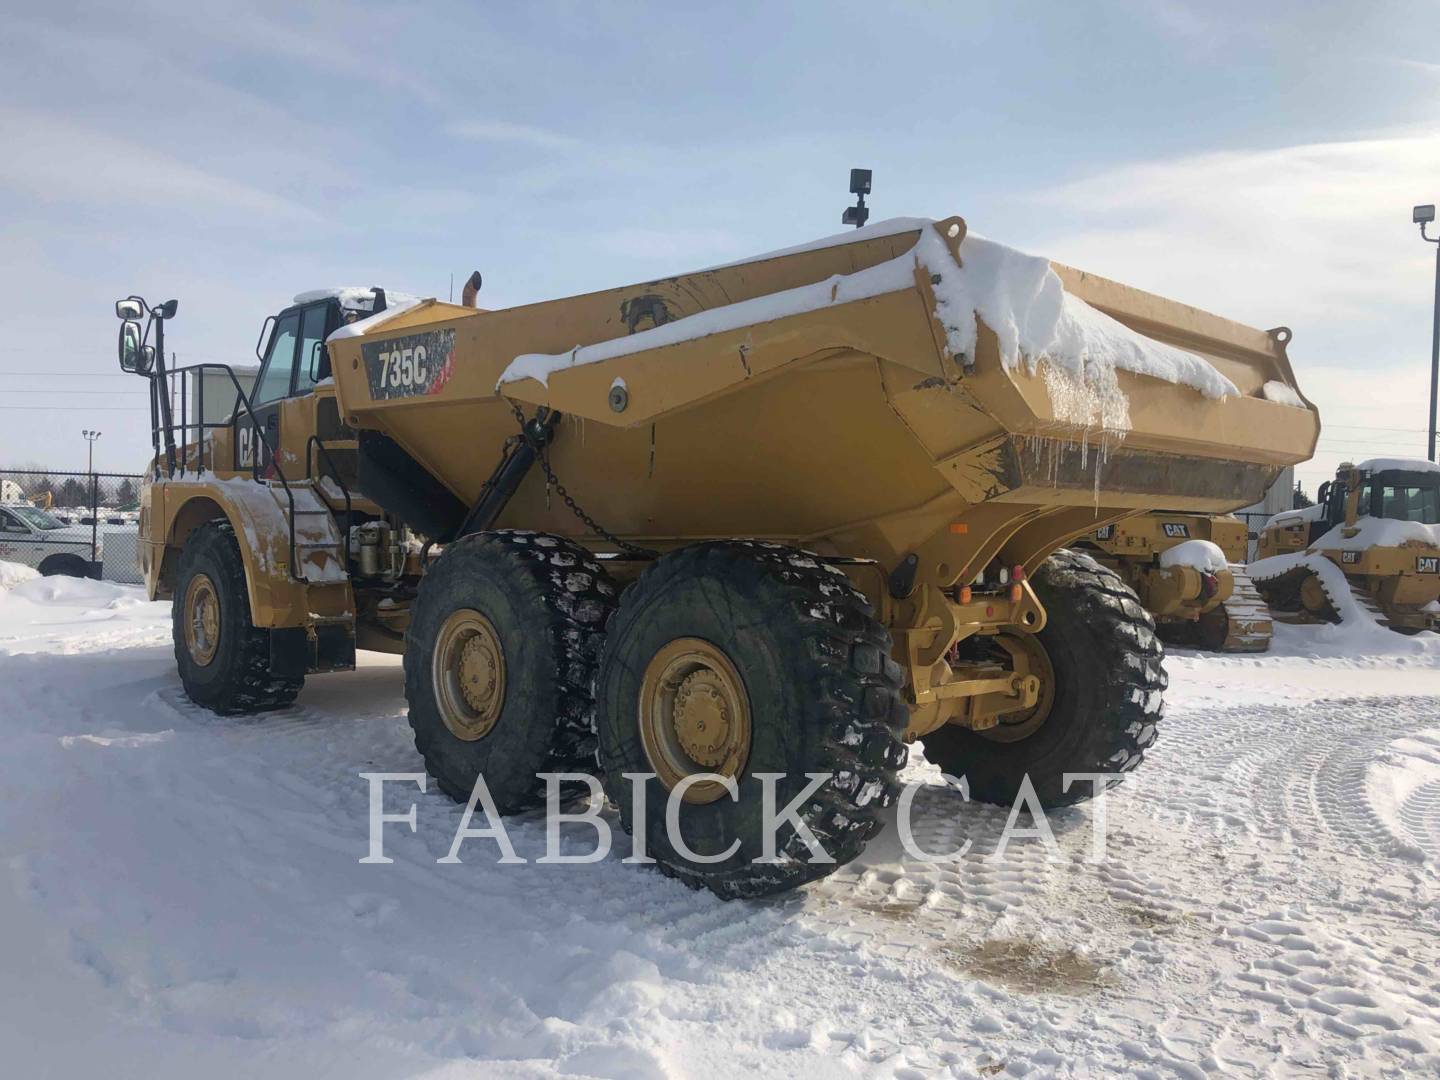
x=724 y=532
x=1189 y=572
x=1367 y=551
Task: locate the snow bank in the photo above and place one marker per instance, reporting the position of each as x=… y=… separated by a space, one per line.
x=1199 y=555
x=12 y=574
x=1378 y=532
x=1282 y=394
x=1020 y=297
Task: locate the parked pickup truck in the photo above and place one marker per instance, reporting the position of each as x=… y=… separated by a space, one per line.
x=34 y=538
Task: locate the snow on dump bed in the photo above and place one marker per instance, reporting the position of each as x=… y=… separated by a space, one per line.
x=1199 y=555
x=1283 y=394
x=12 y=574
x=1020 y=297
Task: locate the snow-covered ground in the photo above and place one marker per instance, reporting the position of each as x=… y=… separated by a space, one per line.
x=184 y=896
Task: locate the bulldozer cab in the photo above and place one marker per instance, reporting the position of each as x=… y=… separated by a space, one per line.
x=1398 y=493
x=1401 y=494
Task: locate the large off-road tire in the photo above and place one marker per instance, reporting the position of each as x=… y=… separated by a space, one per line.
x=1099 y=715
x=793 y=675
x=518 y=619
x=224 y=659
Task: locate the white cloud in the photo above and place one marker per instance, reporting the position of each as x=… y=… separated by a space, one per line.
x=502 y=131
x=1310 y=232
x=1317 y=237
x=691 y=246
x=52 y=159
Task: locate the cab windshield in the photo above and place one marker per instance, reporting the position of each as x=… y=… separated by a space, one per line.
x=1403 y=496
x=37 y=518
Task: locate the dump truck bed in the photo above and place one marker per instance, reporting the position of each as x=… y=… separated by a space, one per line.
x=860 y=395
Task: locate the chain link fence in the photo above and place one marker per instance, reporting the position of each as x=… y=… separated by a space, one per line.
x=72 y=522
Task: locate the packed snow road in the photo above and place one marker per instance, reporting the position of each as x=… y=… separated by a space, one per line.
x=184 y=895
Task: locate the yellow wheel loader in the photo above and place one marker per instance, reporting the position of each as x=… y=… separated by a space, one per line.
x=731 y=530
x=1367 y=551
x=1189 y=572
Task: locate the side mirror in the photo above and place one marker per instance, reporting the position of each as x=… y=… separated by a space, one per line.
x=314 y=370
x=147 y=360
x=129 y=345
x=129 y=309
x=264 y=339
x=167 y=309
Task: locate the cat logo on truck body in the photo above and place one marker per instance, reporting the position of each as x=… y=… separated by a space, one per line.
x=1427 y=564
x=1176 y=530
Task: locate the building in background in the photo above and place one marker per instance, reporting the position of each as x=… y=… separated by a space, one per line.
x=1280 y=497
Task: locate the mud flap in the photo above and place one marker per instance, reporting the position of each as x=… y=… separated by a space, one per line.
x=294 y=653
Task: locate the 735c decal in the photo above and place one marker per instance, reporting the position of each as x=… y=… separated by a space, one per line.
x=410 y=366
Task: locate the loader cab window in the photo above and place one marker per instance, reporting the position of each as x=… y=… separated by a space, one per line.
x=314 y=361
x=279 y=369
x=1411 y=502
x=1403 y=497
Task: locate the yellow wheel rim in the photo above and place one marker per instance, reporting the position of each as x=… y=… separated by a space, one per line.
x=1028 y=657
x=694 y=717
x=469 y=675
x=202 y=620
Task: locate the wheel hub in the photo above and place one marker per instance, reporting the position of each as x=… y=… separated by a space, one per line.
x=202 y=620
x=694 y=717
x=468 y=674
x=479 y=673
x=702 y=717
x=1028 y=660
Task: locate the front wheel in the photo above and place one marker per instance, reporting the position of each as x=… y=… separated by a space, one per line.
x=224 y=659
x=1105 y=667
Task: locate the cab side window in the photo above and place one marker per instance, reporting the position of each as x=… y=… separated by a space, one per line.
x=314 y=361
x=8 y=523
x=275 y=380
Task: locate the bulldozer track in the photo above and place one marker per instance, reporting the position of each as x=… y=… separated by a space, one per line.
x=1283 y=592
x=1248 y=625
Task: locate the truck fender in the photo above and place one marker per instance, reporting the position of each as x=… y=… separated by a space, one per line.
x=263 y=532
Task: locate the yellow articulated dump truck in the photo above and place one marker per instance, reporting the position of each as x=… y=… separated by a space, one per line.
x=1367 y=552
x=731 y=530
x=1189 y=572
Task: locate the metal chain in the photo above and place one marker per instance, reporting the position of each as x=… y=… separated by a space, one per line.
x=569 y=500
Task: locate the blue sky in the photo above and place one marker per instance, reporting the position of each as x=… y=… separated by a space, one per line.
x=1256 y=160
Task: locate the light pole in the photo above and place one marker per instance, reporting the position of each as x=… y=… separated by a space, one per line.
x=1422 y=216
x=90 y=437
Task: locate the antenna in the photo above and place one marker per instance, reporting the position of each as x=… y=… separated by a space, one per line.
x=858 y=214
